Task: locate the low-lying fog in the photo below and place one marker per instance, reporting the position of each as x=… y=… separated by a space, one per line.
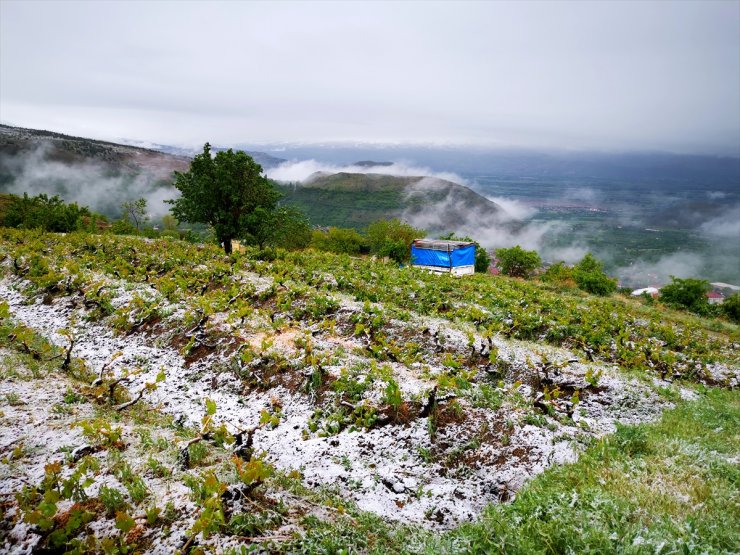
x=555 y=238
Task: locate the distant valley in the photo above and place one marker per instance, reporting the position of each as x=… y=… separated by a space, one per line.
x=647 y=215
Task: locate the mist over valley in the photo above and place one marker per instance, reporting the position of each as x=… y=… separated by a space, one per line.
x=646 y=215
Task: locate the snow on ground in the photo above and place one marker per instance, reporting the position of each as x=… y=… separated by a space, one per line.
x=385 y=470
x=38 y=427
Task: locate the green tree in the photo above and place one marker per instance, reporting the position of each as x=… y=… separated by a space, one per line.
x=686 y=293
x=392 y=238
x=517 y=262
x=228 y=192
x=169 y=222
x=44 y=212
x=731 y=308
x=559 y=273
x=135 y=212
x=285 y=227
x=482 y=259
x=589 y=275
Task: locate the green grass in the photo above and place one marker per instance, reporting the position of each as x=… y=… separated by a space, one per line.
x=671 y=484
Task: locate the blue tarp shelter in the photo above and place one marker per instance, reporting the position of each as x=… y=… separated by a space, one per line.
x=457 y=257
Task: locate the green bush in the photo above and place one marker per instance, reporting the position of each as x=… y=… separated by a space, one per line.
x=590 y=276
x=392 y=238
x=559 y=273
x=123 y=227
x=517 y=262
x=731 y=308
x=688 y=293
x=339 y=240
x=482 y=259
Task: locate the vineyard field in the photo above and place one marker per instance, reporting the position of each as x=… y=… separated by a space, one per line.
x=162 y=396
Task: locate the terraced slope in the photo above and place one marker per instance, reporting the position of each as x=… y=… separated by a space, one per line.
x=418 y=398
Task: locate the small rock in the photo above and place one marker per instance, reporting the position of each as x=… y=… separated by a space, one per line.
x=82 y=451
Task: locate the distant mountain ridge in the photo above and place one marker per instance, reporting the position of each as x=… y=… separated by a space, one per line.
x=357 y=199
x=57 y=147
x=69 y=147
x=371 y=164
x=92 y=172
x=103 y=174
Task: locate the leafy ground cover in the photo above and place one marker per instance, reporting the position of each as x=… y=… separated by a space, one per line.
x=79 y=476
x=375 y=403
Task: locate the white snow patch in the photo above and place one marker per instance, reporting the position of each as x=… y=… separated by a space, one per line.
x=382 y=469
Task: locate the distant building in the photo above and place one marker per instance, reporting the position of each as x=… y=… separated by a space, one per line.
x=715 y=297
x=453 y=257
x=725 y=287
x=652 y=291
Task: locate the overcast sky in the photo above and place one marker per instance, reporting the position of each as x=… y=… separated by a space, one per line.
x=583 y=75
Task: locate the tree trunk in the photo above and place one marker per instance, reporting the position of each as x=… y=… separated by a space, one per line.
x=227 y=245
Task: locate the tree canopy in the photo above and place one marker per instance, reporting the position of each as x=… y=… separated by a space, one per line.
x=228 y=192
x=589 y=275
x=687 y=293
x=285 y=227
x=392 y=238
x=517 y=262
x=44 y=212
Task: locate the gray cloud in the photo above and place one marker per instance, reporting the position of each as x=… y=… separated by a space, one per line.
x=595 y=75
x=515 y=209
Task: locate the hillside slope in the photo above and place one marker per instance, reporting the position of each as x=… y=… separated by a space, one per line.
x=269 y=396
x=93 y=173
x=17 y=143
x=98 y=174
x=358 y=199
